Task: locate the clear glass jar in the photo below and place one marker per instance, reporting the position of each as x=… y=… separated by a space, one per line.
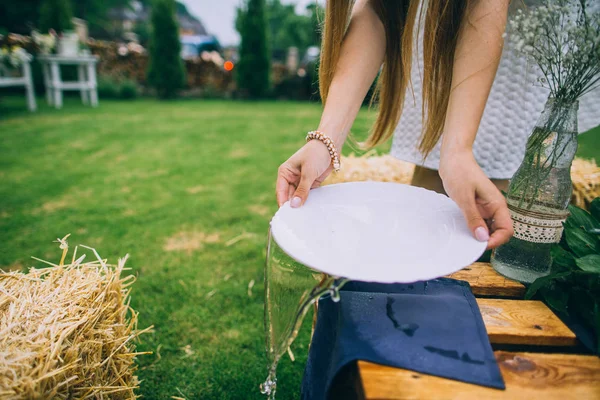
x=539 y=194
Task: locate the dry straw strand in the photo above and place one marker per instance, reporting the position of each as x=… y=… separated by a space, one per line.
x=68 y=332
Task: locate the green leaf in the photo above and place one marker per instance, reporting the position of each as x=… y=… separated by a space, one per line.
x=556 y=297
x=582 y=219
x=562 y=260
x=595 y=208
x=581 y=242
x=543 y=282
x=590 y=263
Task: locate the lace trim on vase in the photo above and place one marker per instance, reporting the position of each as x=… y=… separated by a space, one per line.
x=537 y=227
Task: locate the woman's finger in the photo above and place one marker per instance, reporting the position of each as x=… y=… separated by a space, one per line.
x=503 y=227
x=282 y=189
x=301 y=193
x=474 y=219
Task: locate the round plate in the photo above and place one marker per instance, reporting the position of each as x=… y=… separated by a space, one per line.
x=377 y=232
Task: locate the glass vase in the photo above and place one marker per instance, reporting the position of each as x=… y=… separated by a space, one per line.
x=539 y=194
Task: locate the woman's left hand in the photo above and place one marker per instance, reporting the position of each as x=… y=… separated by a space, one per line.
x=482 y=204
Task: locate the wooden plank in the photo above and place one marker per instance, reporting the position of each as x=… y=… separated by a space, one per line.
x=528 y=376
x=525 y=322
x=485 y=281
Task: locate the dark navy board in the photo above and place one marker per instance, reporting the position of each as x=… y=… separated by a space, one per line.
x=432 y=327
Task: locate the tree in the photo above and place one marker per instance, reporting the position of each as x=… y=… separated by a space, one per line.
x=165 y=73
x=288 y=29
x=19 y=17
x=57 y=15
x=254 y=67
x=95 y=12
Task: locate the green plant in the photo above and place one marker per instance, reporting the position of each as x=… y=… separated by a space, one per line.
x=108 y=88
x=573 y=287
x=165 y=73
x=128 y=89
x=253 y=69
x=56 y=14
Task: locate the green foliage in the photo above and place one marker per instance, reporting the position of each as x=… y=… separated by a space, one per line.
x=95 y=12
x=288 y=29
x=108 y=88
x=56 y=14
x=143 y=31
x=166 y=72
x=19 y=16
x=573 y=287
x=128 y=90
x=254 y=67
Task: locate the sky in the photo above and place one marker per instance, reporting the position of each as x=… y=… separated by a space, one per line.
x=218 y=16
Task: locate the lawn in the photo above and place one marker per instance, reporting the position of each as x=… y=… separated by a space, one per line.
x=172 y=184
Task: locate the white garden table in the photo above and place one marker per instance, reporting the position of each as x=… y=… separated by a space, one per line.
x=25 y=80
x=86 y=78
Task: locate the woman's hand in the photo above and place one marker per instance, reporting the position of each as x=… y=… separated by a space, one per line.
x=482 y=204
x=303 y=171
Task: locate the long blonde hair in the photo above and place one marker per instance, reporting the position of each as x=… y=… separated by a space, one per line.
x=442 y=23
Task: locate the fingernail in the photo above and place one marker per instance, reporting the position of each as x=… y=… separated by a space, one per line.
x=482 y=234
x=296 y=201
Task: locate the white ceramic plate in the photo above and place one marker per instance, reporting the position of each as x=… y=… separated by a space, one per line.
x=377 y=232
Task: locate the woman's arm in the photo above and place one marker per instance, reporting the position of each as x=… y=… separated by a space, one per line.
x=361 y=57
x=476 y=60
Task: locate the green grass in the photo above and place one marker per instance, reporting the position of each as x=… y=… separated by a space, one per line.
x=126 y=177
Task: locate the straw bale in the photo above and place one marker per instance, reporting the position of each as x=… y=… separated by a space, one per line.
x=67 y=331
x=385 y=168
x=585 y=175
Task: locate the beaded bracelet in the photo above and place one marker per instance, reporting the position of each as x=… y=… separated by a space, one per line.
x=326 y=140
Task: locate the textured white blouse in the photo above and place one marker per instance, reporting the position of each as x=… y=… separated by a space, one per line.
x=512 y=109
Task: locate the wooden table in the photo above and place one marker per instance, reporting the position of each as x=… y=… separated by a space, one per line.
x=539 y=357
x=86 y=81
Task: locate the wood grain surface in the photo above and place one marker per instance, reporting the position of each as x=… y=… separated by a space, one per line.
x=485 y=281
x=528 y=376
x=525 y=322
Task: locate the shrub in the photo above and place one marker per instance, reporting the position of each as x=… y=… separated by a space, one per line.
x=56 y=14
x=108 y=88
x=254 y=67
x=128 y=90
x=165 y=73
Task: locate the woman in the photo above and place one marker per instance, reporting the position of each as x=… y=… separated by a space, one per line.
x=514 y=104
x=462 y=45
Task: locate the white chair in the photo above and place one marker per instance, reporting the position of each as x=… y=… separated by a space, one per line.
x=25 y=80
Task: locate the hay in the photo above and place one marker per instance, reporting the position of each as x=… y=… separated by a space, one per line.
x=383 y=168
x=67 y=332
x=584 y=173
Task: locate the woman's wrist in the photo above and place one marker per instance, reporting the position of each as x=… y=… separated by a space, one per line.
x=336 y=137
x=450 y=156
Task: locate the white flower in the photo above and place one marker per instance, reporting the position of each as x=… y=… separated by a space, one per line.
x=564 y=40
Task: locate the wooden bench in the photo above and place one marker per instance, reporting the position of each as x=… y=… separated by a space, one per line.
x=549 y=369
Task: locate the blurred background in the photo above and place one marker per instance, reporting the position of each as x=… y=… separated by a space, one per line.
x=280 y=37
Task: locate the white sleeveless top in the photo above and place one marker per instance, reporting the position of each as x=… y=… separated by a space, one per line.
x=510 y=114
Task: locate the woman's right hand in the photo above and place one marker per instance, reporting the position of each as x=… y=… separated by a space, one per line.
x=303 y=171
